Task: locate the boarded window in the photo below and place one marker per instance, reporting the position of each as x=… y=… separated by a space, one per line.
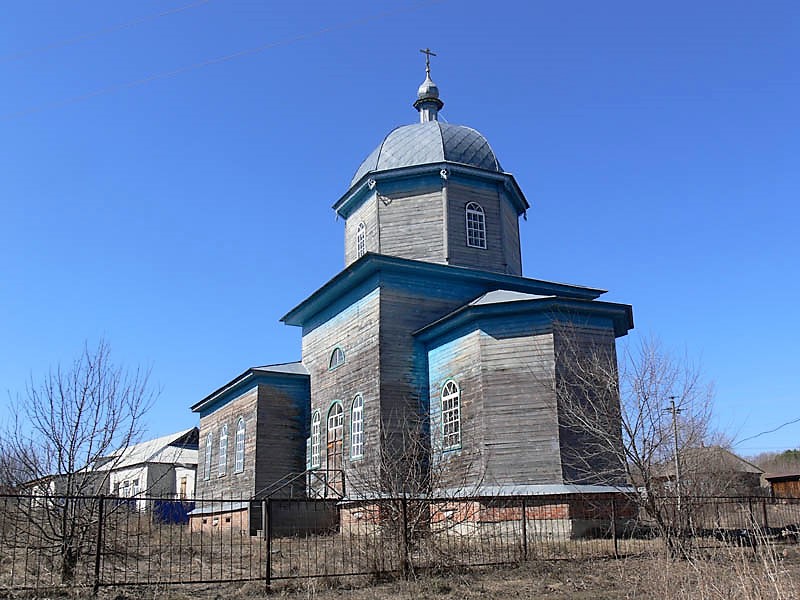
x=357 y=428
x=476 y=226
x=451 y=416
x=361 y=240
x=337 y=358
x=207 y=462
x=223 y=450
x=315 y=439
x=238 y=466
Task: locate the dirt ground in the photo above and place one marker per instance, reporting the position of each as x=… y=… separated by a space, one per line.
x=741 y=576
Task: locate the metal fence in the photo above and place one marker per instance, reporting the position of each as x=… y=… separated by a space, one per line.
x=49 y=542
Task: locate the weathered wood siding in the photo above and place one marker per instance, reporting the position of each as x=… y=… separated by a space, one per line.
x=411 y=225
x=461 y=469
x=230 y=485
x=501 y=254
x=520 y=406
x=367 y=213
x=354 y=329
x=510 y=224
x=586 y=380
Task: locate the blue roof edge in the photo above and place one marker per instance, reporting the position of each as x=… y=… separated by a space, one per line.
x=371 y=263
x=353 y=197
x=251 y=374
x=620 y=314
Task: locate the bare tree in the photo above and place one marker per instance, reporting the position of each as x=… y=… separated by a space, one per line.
x=69 y=429
x=618 y=420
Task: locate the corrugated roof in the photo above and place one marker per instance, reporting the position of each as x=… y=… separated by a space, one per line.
x=159 y=450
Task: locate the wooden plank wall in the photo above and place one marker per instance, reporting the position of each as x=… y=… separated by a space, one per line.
x=368 y=214
x=411 y=226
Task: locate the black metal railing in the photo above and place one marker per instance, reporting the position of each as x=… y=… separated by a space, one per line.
x=94 y=541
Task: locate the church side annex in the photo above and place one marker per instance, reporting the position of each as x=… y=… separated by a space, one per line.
x=431 y=336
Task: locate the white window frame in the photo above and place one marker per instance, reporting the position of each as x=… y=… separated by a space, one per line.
x=337 y=359
x=451 y=415
x=475 y=219
x=316 y=439
x=238 y=465
x=361 y=240
x=222 y=464
x=209 y=449
x=357 y=427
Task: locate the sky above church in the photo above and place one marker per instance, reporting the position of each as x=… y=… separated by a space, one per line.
x=168 y=168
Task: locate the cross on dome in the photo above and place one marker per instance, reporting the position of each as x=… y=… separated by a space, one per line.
x=428 y=103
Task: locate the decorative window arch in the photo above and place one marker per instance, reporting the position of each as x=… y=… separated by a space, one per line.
x=451 y=416
x=337 y=358
x=208 y=450
x=357 y=427
x=238 y=464
x=316 y=438
x=476 y=226
x=223 y=450
x=361 y=240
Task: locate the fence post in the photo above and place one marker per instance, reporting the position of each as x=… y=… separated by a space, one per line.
x=266 y=528
x=764 y=512
x=98 y=551
x=404 y=515
x=614 y=526
x=524 y=530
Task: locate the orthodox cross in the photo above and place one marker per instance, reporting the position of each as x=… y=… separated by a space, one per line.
x=427 y=52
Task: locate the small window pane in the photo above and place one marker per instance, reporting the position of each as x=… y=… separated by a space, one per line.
x=337 y=358
x=451 y=416
x=357 y=428
x=476 y=226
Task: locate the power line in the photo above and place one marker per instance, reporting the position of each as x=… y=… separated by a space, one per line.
x=211 y=61
x=781 y=426
x=96 y=33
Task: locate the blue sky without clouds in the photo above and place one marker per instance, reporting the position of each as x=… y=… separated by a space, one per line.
x=180 y=218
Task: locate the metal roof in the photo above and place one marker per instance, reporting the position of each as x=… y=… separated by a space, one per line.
x=500 y=296
x=429 y=142
x=159 y=450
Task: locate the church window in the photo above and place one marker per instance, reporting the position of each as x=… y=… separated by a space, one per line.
x=476 y=226
x=451 y=416
x=315 y=439
x=357 y=428
x=207 y=463
x=361 y=240
x=223 y=450
x=239 y=461
x=335 y=440
x=337 y=359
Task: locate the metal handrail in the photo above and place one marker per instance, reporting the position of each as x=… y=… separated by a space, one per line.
x=320 y=475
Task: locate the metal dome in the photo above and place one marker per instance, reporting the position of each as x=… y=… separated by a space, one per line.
x=430 y=142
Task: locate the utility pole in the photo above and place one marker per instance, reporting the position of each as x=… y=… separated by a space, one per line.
x=675 y=412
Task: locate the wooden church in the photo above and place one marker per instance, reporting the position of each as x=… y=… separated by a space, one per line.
x=430 y=362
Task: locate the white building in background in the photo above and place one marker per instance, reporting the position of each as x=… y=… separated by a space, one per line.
x=163 y=468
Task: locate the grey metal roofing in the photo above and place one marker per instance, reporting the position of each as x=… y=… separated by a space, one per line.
x=159 y=450
x=429 y=142
x=293 y=368
x=500 y=296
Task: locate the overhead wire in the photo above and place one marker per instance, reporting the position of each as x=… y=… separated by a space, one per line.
x=216 y=60
x=779 y=427
x=97 y=33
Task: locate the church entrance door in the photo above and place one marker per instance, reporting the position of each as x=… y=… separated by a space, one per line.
x=335 y=448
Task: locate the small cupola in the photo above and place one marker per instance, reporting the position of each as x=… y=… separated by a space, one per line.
x=428 y=103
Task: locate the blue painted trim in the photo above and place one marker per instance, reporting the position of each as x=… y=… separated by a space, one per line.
x=423 y=273
x=359 y=191
x=621 y=315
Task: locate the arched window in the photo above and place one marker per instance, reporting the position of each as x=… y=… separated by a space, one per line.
x=238 y=465
x=223 y=449
x=315 y=439
x=337 y=358
x=357 y=428
x=361 y=240
x=476 y=226
x=207 y=462
x=451 y=416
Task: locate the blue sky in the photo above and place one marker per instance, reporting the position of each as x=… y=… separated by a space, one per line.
x=179 y=206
